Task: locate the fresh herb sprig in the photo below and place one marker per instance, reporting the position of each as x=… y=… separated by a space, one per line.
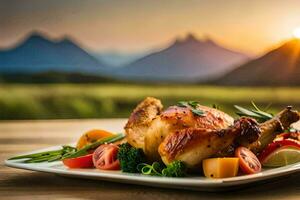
x=255 y=112
x=174 y=169
x=193 y=106
x=49 y=156
x=216 y=106
x=65 y=151
x=84 y=150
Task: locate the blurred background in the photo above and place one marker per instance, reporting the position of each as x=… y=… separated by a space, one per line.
x=97 y=59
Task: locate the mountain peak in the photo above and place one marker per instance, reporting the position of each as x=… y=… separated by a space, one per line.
x=38 y=53
x=37 y=36
x=208 y=40
x=188 y=59
x=66 y=41
x=292 y=43
x=294 y=40
x=191 y=39
x=289 y=48
x=282 y=65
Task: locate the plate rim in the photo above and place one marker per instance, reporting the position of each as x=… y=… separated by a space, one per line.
x=189 y=182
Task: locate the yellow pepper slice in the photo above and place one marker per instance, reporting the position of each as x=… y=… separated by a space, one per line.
x=220 y=167
x=92 y=136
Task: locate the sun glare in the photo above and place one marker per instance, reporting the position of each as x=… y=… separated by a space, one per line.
x=296 y=33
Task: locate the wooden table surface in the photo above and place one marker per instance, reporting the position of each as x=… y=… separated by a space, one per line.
x=16 y=137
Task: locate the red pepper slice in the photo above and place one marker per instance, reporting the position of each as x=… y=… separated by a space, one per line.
x=80 y=162
x=276 y=145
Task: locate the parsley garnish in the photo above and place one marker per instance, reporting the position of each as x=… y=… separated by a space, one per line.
x=215 y=106
x=192 y=105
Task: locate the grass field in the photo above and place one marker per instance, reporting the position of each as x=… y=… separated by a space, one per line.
x=117 y=100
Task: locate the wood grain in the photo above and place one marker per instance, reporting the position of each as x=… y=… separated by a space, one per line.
x=16 y=137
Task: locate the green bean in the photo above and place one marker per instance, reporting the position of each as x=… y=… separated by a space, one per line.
x=65 y=152
x=94 y=145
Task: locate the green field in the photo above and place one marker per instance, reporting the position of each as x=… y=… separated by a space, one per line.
x=25 y=101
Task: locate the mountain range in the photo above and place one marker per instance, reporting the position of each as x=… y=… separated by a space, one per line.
x=279 y=67
x=188 y=60
x=185 y=60
x=37 y=54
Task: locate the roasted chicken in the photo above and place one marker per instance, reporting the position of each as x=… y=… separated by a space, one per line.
x=177 y=133
x=140 y=121
x=272 y=127
x=192 y=145
x=177 y=118
x=148 y=126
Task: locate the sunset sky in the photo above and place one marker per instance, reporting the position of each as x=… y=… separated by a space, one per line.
x=249 y=26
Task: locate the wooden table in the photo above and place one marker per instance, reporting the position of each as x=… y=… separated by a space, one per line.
x=16 y=137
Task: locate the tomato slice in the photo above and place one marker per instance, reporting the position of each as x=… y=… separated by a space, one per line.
x=276 y=145
x=248 y=161
x=106 y=157
x=80 y=162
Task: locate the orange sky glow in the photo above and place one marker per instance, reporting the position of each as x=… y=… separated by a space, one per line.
x=248 y=26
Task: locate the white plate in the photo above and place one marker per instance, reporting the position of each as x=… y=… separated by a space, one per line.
x=194 y=183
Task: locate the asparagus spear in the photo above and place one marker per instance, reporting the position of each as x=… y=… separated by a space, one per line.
x=65 y=152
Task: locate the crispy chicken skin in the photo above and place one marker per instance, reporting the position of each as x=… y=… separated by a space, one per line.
x=177 y=118
x=179 y=134
x=182 y=117
x=140 y=120
x=192 y=145
x=269 y=130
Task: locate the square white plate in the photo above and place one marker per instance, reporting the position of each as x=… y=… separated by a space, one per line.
x=193 y=183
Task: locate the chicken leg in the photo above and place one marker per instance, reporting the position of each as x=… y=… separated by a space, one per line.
x=192 y=145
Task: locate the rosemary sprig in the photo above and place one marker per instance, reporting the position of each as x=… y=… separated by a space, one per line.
x=65 y=151
x=193 y=106
x=255 y=112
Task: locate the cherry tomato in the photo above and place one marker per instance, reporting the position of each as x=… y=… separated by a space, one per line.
x=276 y=145
x=248 y=161
x=105 y=157
x=80 y=162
